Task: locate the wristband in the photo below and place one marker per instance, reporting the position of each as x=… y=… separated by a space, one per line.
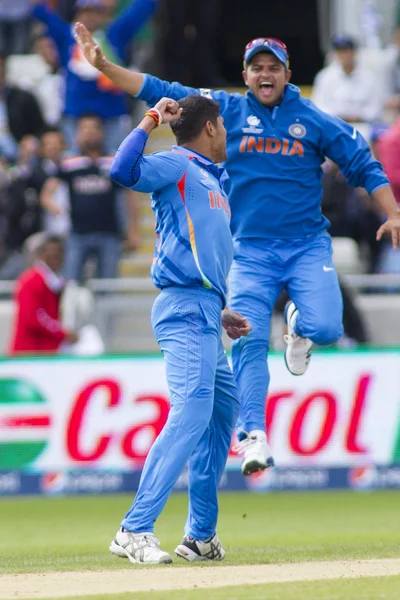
x=155 y=114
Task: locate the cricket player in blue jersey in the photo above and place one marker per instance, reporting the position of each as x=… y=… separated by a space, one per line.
x=277 y=141
x=193 y=256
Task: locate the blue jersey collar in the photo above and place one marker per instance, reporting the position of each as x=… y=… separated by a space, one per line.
x=192 y=153
x=204 y=161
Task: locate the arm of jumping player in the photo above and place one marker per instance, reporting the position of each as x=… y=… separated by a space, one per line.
x=343 y=144
x=145 y=86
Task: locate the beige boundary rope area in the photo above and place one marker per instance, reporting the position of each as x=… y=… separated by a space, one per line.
x=82 y=583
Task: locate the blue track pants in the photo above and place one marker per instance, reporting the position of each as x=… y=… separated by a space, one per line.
x=260 y=271
x=204 y=410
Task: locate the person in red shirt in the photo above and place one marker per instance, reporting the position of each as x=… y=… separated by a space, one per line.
x=388 y=152
x=37 y=326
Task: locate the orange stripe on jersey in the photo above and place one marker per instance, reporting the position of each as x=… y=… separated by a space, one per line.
x=181 y=187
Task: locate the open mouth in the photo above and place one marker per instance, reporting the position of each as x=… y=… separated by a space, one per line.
x=266 y=88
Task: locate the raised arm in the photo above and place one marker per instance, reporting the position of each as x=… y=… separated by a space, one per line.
x=123 y=78
x=148 y=88
x=131 y=168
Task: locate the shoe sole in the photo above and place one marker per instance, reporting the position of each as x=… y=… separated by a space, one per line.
x=254 y=466
x=119 y=551
x=188 y=554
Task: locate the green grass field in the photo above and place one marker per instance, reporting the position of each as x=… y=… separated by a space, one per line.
x=48 y=534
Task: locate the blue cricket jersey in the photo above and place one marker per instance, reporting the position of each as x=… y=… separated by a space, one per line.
x=194 y=243
x=275 y=156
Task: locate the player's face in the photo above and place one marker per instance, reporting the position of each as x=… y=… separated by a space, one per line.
x=266 y=76
x=220 y=141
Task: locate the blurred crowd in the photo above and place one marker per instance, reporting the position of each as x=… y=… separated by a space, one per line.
x=61 y=121
x=363 y=88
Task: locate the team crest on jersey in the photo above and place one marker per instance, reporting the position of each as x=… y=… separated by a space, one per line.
x=254 y=125
x=297 y=130
x=206 y=92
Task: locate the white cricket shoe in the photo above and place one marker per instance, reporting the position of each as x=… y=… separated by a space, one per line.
x=298 y=350
x=193 y=550
x=140 y=548
x=257 y=453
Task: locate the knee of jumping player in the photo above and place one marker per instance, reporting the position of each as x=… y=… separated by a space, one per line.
x=326 y=330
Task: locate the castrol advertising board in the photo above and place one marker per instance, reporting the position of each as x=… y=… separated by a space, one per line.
x=101 y=415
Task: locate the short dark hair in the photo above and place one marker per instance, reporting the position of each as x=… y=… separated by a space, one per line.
x=197 y=110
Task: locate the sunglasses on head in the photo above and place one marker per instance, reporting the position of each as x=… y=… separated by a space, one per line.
x=262 y=41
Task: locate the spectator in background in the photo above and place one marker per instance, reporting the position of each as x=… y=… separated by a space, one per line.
x=20 y=115
x=87 y=89
x=391 y=66
x=388 y=152
x=21 y=209
x=93 y=201
x=14 y=26
x=30 y=183
x=20 y=199
x=50 y=90
x=52 y=148
x=345 y=88
x=4 y=196
x=37 y=327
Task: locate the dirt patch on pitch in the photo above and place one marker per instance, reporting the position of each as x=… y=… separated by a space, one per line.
x=82 y=583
